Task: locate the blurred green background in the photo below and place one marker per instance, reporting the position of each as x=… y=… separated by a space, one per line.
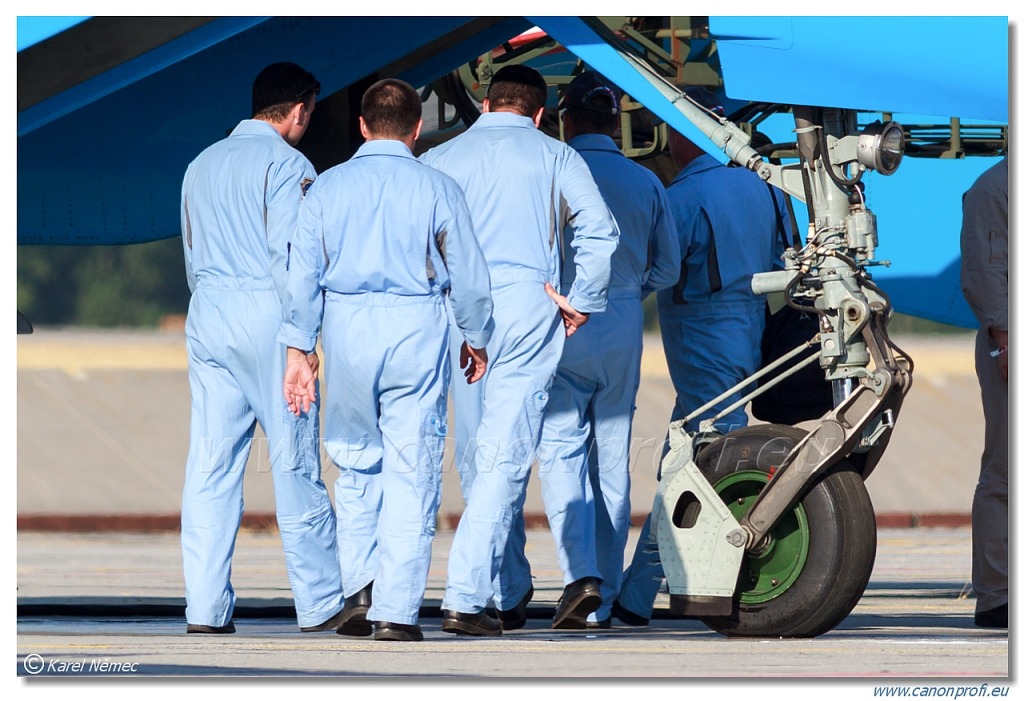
x=143 y=286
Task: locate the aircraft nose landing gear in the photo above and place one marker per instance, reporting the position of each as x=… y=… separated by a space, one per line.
x=810 y=571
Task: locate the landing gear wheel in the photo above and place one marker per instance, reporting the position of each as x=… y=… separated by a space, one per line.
x=816 y=562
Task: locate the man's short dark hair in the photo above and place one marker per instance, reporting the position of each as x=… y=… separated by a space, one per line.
x=518 y=88
x=278 y=88
x=391 y=108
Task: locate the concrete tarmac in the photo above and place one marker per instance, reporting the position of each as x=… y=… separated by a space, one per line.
x=101 y=427
x=110 y=605
x=102 y=435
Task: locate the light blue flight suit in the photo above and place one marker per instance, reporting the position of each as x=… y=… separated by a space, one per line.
x=585 y=442
x=386 y=239
x=522 y=188
x=239 y=204
x=711 y=320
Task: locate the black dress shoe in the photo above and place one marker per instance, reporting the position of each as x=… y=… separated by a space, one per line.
x=628 y=617
x=330 y=624
x=515 y=618
x=603 y=623
x=579 y=600
x=470 y=623
x=228 y=627
x=353 y=615
x=401 y=632
x=993 y=618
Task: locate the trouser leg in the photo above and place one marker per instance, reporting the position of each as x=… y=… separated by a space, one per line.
x=222 y=427
x=563 y=469
x=469 y=412
x=359 y=497
x=514 y=576
x=989 y=513
x=413 y=424
x=645 y=574
x=352 y=438
x=468 y=403
x=528 y=342
x=469 y=409
x=613 y=407
x=642 y=580
x=305 y=516
x=481 y=540
x=609 y=476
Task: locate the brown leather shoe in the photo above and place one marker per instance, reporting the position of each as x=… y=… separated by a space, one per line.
x=579 y=600
x=330 y=624
x=353 y=615
x=228 y=627
x=470 y=623
x=399 y=632
x=628 y=617
x=515 y=617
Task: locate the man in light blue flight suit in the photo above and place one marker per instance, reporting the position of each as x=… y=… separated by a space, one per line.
x=385 y=239
x=584 y=453
x=239 y=204
x=711 y=321
x=522 y=187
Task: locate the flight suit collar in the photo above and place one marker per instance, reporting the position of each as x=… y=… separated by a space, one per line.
x=384 y=147
x=594 y=142
x=489 y=120
x=699 y=164
x=255 y=126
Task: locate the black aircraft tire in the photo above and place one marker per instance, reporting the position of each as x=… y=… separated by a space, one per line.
x=819 y=561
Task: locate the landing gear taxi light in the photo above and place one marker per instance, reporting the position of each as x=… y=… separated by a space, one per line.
x=880 y=147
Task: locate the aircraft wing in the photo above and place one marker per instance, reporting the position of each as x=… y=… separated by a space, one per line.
x=909 y=65
x=942 y=66
x=952 y=66
x=112 y=110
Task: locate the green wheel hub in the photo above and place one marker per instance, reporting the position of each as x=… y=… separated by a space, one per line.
x=767 y=573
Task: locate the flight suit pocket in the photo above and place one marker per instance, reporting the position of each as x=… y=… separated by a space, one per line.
x=998 y=247
x=297 y=442
x=433 y=430
x=526 y=434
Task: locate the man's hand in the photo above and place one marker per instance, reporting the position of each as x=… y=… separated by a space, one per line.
x=571 y=318
x=299 y=381
x=473 y=361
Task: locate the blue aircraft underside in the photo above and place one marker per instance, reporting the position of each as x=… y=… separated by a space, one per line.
x=100 y=162
x=953 y=66
x=107 y=169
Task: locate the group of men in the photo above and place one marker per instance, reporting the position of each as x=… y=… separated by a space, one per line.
x=518 y=258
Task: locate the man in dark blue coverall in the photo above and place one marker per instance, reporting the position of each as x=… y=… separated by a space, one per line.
x=711 y=321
